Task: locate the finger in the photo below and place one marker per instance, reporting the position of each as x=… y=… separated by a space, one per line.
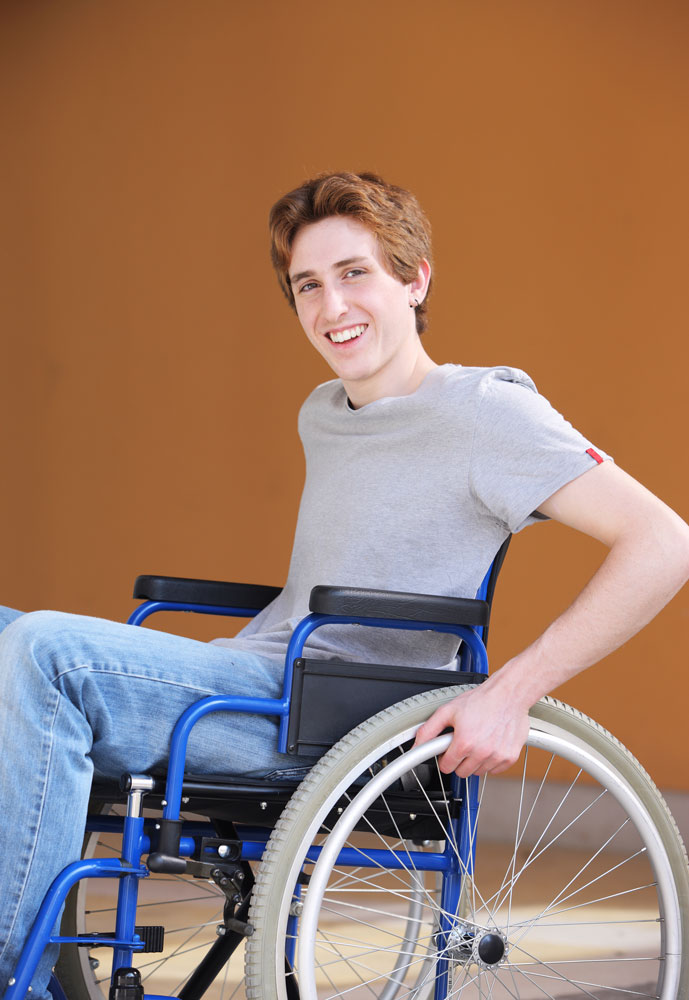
x=463 y=767
x=467 y=760
x=471 y=766
x=458 y=753
x=448 y=767
x=440 y=720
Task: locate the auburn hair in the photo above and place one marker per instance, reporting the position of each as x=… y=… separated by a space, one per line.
x=392 y=214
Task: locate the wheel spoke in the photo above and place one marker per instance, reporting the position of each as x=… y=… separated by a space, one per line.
x=559 y=899
x=533 y=857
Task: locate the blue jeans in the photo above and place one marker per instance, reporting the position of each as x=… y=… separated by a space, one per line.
x=79 y=695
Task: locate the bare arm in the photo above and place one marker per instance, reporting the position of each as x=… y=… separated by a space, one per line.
x=647 y=564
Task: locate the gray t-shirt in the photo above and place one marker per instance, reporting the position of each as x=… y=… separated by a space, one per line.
x=415 y=493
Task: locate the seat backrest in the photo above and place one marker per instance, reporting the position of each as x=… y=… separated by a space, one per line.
x=487 y=588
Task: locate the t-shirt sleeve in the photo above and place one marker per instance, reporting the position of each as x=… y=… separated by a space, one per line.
x=523 y=449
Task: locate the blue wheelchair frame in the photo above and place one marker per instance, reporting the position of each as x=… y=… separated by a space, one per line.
x=129 y=868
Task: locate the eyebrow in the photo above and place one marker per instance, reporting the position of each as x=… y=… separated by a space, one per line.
x=293 y=279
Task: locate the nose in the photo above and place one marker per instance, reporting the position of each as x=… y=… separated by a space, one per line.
x=334 y=303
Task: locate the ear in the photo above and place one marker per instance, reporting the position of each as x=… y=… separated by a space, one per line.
x=419 y=286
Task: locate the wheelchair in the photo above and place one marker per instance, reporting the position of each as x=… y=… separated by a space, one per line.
x=376 y=876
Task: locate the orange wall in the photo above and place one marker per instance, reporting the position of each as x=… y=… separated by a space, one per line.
x=151 y=373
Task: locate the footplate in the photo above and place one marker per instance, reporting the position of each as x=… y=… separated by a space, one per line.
x=152 y=938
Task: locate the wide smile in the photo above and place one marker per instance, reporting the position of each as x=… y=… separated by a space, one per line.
x=347 y=335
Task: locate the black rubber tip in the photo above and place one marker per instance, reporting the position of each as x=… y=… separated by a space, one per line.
x=126 y=985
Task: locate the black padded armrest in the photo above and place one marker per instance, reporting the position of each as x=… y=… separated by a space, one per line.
x=358 y=602
x=215 y=593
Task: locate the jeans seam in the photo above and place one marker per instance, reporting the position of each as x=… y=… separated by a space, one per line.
x=70 y=670
x=154 y=680
x=133 y=676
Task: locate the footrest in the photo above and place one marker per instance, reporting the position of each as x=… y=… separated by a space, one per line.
x=153 y=938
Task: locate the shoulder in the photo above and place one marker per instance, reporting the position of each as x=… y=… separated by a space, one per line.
x=508 y=396
x=500 y=376
x=325 y=394
x=473 y=385
x=500 y=403
x=326 y=397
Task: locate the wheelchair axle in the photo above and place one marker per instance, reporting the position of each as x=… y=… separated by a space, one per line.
x=466 y=943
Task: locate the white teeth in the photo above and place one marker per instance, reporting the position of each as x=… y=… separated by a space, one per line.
x=354 y=331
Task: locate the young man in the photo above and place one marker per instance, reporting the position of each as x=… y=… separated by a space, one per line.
x=450 y=461
x=415 y=474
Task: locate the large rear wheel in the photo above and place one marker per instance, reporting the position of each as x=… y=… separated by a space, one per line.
x=580 y=886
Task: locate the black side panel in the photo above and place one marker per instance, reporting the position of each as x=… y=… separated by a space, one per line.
x=329 y=699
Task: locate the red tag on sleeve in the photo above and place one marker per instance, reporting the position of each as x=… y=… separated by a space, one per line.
x=594 y=455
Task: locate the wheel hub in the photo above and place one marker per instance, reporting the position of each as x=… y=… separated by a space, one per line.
x=468 y=943
x=491 y=949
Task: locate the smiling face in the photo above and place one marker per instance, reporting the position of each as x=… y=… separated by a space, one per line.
x=355 y=312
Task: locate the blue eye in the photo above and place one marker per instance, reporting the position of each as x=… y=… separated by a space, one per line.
x=307 y=286
x=355 y=272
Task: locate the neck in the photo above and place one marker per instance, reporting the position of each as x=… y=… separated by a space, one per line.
x=400 y=379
